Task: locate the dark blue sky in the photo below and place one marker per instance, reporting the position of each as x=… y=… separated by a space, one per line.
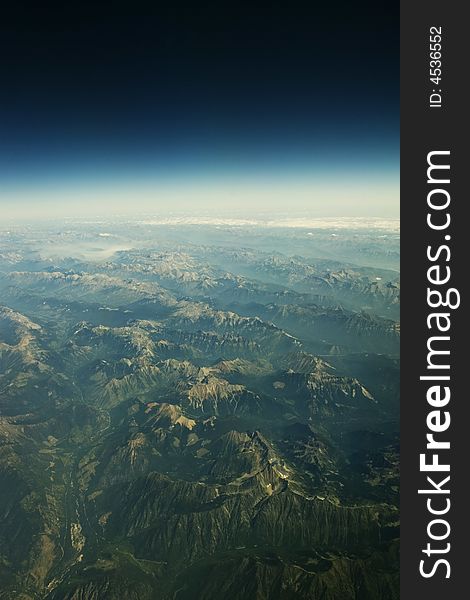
x=106 y=94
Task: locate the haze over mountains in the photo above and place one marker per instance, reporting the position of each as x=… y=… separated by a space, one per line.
x=197 y=410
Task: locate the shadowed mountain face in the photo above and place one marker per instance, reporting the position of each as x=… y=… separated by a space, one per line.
x=213 y=413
